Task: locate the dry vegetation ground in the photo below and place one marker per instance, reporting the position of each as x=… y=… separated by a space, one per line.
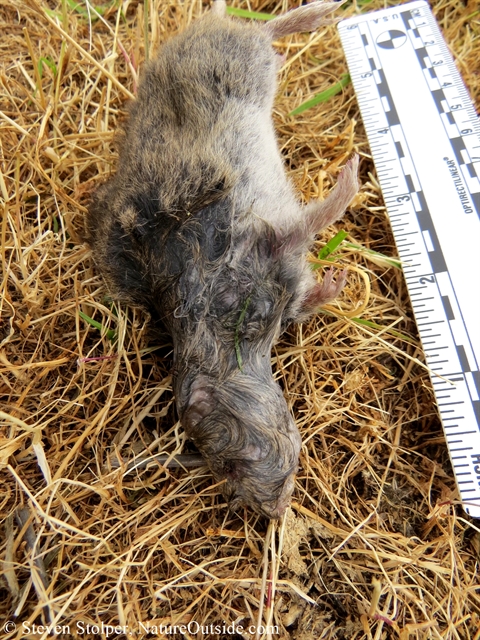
x=375 y=544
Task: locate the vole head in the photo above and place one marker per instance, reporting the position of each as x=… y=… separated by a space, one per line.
x=244 y=430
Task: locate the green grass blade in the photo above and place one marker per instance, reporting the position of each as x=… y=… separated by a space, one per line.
x=323 y=96
x=380 y=257
x=52 y=14
x=93 y=13
x=374 y=325
x=332 y=244
x=237 y=331
x=49 y=63
x=76 y=6
x=110 y=333
x=253 y=15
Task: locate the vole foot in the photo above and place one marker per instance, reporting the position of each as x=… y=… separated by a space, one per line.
x=306 y=18
x=322 y=214
x=325 y=291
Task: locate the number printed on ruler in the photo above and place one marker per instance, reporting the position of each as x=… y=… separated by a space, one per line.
x=425 y=140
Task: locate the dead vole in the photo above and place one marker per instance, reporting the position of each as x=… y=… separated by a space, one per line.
x=201 y=227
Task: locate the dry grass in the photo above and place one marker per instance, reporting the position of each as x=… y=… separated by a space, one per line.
x=375 y=545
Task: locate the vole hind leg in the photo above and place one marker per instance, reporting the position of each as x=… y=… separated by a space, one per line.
x=306 y=18
x=322 y=214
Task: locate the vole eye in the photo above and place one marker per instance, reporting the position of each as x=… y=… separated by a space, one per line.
x=231 y=469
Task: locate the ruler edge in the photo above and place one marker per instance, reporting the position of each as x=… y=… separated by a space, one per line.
x=342 y=27
x=363 y=17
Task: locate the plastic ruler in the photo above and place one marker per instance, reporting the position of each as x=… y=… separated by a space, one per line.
x=424 y=135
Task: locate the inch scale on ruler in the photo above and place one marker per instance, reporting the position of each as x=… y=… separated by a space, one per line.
x=425 y=140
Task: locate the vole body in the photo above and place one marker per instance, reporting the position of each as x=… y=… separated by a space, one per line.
x=201 y=227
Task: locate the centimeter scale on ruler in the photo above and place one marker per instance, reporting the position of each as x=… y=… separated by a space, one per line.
x=425 y=140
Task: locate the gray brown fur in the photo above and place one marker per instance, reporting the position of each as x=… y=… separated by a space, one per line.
x=201 y=227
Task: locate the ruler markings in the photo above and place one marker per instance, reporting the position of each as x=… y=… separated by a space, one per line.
x=424 y=137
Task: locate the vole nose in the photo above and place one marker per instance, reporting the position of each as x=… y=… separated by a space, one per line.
x=273 y=512
x=276 y=508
